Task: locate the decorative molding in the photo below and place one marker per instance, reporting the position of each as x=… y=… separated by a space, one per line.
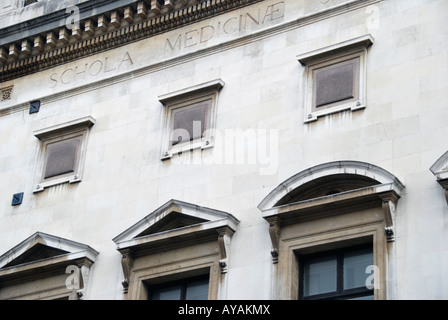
x=127 y=261
x=383 y=191
x=175 y=225
x=57 y=50
x=332 y=168
x=20 y=265
x=157 y=20
x=364 y=41
x=440 y=170
x=212 y=85
x=224 y=239
x=274 y=233
x=81 y=123
x=388 y=207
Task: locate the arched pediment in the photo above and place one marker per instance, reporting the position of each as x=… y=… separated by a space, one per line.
x=340 y=176
x=330 y=189
x=440 y=167
x=440 y=171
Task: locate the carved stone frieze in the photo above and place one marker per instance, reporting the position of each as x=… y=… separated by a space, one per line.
x=99 y=33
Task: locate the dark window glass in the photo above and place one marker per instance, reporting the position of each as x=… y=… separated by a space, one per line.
x=189 y=123
x=336 y=83
x=338 y=274
x=188 y=289
x=61 y=157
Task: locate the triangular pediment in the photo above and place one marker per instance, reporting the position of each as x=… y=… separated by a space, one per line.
x=174 y=222
x=36 y=253
x=43 y=247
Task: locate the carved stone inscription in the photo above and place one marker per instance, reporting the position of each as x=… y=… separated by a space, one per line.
x=91 y=69
x=235 y=25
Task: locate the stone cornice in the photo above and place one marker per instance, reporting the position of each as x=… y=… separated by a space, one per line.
x=112 y=29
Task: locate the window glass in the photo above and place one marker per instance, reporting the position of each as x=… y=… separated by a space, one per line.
x=61 y=157
x=172 y=292
x=187 y=289
x=320 y=275
x=339 y=274
x=355 y=265
x=189 y=123
x=197 y=290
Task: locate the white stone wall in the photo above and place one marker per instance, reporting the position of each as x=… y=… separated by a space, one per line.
x=403 y=130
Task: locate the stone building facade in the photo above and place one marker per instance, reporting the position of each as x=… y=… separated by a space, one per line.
x=223 y=149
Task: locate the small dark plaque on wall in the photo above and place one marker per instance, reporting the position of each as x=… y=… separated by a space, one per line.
x=17 y=199
x=34 y=106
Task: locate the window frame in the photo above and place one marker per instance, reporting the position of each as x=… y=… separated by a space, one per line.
x=185 y=98
x=77 y=129
x=315 y=69
x=194 y=249
x=340 y=292
x=326 y=57
x=349 y=218
x=183 y=283
x=185 y=105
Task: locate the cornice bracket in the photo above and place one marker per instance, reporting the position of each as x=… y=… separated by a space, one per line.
x=274 y=233
x=224 y=239
x=127 y=261
x=388 y=205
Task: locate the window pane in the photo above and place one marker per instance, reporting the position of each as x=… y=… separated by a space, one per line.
x=197 y=290
x=320 y=275
x=61 y=157
x=189 y=123
x=355 y=265
x=371 y=297
x=166 y=293
x=334 y=84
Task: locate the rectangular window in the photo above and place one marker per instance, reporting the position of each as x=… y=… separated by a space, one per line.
x=336 y=83
x=61 y=157
x=62 y=150
x=190 y=122
x=187 y=289
x=338 y=274
x=335 y=78
x=190 y=118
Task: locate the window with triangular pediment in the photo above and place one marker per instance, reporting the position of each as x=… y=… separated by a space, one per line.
x=45 y=267
x=190 y=240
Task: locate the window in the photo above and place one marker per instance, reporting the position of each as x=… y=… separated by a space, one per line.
x=36 y=269
x=189 y=122
x=62 y=150
x=187 y=289
x=192 y=241
x=336 y=274
x=190 y=118
x=335 y=78
x=327 y=225
x=61 y=157
x=336 y=83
